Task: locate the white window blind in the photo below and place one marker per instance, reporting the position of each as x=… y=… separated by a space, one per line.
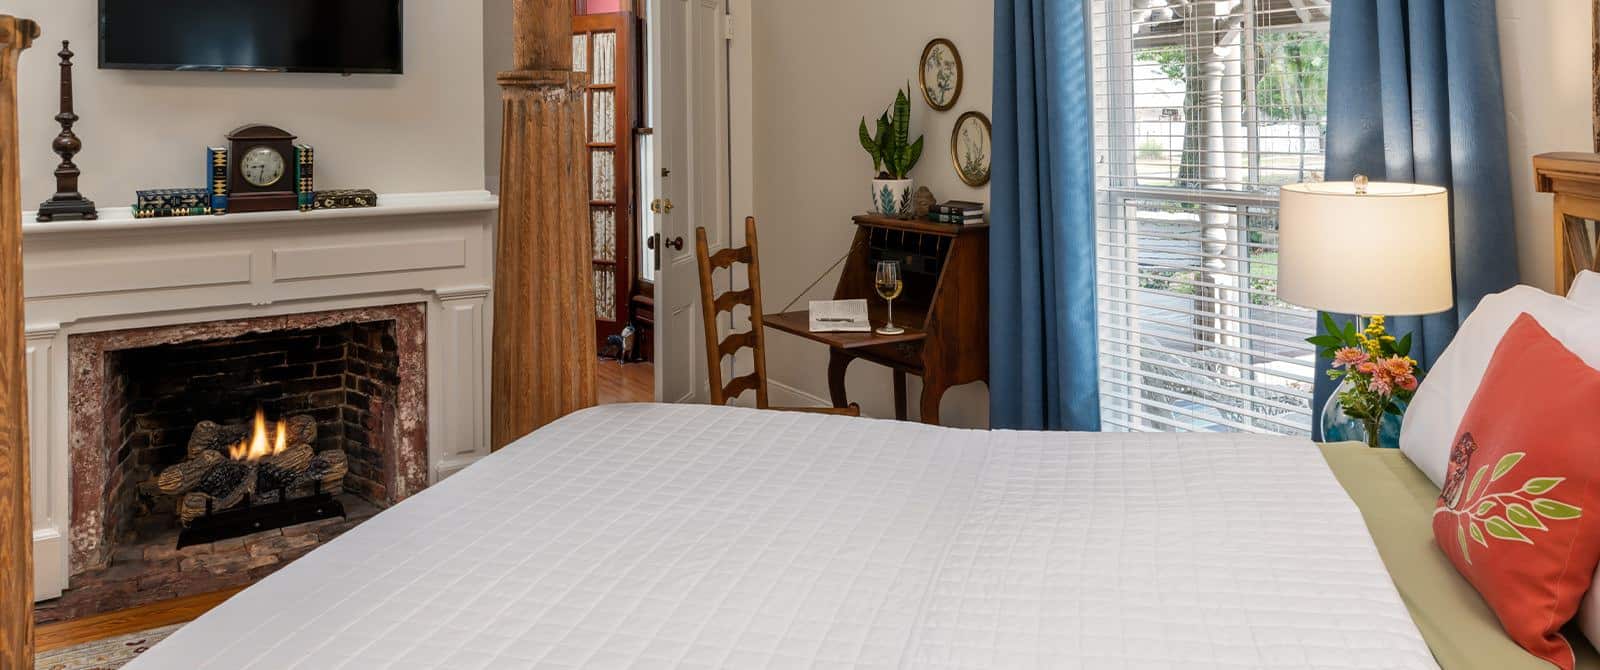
x=1203 y=108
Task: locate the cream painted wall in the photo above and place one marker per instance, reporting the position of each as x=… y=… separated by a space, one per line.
x=819 y=66
x=421 y=131
x=1544 y=48
x=496 y=59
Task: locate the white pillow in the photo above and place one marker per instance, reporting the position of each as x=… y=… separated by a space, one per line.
x=1435 y=412
x=1586 y=290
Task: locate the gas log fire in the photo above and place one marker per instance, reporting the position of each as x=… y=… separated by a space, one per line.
x=176 y=490
x=237 y=480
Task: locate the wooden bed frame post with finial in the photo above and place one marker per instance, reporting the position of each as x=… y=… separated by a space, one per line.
x=544 y=363
x=16 y=518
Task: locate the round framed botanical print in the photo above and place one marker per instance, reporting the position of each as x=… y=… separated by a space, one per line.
x=972 y=148
x=941 y=74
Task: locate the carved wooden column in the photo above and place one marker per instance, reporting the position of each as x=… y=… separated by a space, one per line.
x=544 y=349
x=16 y=517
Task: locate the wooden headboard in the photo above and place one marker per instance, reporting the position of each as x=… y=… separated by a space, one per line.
x=1574 y=178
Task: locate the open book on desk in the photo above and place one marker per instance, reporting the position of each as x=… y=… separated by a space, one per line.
x=840 y=316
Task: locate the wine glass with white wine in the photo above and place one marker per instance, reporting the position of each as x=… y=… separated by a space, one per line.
x=889 y=286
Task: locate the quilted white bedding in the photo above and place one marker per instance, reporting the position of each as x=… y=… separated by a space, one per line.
x=656 y=536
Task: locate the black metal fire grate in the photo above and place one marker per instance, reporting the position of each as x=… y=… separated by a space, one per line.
x=248 y=518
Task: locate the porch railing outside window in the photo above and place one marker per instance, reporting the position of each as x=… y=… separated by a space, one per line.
x=1203 y=108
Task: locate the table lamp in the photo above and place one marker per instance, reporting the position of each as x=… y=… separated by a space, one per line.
x=1366 y=249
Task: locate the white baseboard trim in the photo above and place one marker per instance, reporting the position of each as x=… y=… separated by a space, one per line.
x=784 y=395
x=49 y=564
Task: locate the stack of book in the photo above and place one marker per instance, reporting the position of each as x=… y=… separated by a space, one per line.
x=217 y=175
x=305 y=179
x=165 y=202
x=959 y=212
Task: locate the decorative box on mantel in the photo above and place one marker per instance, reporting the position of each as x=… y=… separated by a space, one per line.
x=374 y=322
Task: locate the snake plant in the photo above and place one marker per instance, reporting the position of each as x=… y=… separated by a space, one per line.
x=893 y=154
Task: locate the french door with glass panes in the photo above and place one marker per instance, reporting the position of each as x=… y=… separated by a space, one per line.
x=603 y=45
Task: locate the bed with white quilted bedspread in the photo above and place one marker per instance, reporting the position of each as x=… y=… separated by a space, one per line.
x=656 y=536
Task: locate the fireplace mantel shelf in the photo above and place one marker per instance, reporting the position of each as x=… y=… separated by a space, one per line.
x=390 y=204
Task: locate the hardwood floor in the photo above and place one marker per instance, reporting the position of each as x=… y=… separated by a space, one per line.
x=618 y=383
x=111 y=624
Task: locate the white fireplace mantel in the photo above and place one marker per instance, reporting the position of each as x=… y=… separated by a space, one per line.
x=120 y=272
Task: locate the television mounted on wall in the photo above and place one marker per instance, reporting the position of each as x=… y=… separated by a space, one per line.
x=337 y=36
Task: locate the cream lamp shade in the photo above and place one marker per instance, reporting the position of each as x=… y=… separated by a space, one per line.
x=1365 y=248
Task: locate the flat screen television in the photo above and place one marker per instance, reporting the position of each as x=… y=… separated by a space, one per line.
x=341 y=36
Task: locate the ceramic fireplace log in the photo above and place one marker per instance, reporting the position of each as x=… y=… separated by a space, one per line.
x=303 y=474
x=295 y=459
x=212 y=436
x=326 y=474
x=296 y=472
x=183 y=477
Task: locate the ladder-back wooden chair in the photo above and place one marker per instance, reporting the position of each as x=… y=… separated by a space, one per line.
x=755 y=339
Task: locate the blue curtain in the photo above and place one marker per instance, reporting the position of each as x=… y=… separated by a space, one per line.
x=1043 y=358
x=1414 y=96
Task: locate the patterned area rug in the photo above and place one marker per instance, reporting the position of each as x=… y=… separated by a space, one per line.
x=108 y=654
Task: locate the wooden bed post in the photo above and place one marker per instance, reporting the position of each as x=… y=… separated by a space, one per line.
x=16 y=518
x=544 y=349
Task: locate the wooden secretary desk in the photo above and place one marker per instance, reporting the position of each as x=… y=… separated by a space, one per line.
x=944 y=308
x=1574 y=178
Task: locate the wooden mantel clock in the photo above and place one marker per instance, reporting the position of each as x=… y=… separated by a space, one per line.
x=261 y=170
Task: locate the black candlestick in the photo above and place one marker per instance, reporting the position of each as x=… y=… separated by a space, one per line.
x=67 y=202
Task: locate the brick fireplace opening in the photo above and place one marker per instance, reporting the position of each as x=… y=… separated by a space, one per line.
x=355 y=379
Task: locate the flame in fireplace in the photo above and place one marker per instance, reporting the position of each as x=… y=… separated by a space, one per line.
x=257 y=447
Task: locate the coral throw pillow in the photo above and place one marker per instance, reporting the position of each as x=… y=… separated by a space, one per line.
x=1518 y=513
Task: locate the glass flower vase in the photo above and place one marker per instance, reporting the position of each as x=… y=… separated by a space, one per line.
x=1340 y=427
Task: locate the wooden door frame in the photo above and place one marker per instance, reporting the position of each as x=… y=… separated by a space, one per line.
x=624 y=201
x=740 y=186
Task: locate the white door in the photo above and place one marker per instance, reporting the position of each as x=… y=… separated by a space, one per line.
x=689 y=172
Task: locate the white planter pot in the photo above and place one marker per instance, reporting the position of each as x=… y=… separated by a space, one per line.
x=891 y=197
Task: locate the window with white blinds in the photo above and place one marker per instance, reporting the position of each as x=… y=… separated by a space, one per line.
x=1203 y=108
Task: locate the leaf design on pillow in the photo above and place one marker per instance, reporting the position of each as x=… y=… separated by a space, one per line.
x=1507 y=515
x=1519 y=515
x=1473 y=490
x=1541 y=485
x=1555 y=509
x=1507 y=462
x=1500 y=528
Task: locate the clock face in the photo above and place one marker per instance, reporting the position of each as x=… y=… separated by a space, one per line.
x=262 y=167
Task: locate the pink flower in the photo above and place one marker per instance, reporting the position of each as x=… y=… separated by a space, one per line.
x=1381 y=385
x=1397 y=367
x=1349 y=357
x=1408 y=382
x=1367 y=368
